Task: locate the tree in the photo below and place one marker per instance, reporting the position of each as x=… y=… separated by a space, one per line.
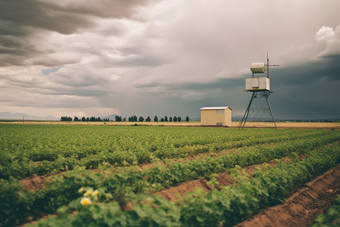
x=65 y=118
x=175 y=119
x=162 y=119
x=83 y=119
x=187 y=119
x=155 y=119
x=148 y=119
x=87 y=119
x=75 y=119
x=166 y=118
x=141 y=119
x=133 y=118
x=179 y=119
x=170 y=119
x=98 y=119
x=118 y=118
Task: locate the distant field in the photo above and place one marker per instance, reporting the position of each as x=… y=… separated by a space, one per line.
x=330 y=125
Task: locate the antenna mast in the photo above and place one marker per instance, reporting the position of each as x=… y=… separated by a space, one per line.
x=268 y=75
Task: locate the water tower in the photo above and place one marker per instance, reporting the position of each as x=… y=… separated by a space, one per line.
x=260 y=88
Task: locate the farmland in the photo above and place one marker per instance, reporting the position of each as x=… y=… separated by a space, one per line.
x=131 y=173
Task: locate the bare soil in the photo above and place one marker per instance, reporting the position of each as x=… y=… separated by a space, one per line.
x=301 y=208
x=34 y=182
x=224 y=179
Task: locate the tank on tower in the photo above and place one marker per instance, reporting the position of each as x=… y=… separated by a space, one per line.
x=257 y=67
x=257 y=83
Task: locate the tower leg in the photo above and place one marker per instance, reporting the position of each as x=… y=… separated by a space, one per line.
x=270 y=109
x=261 y=94
x=245 y=116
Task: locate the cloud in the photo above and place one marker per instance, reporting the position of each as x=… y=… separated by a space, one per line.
x=331 y=38
x=26 y=27
x=325 y=34
x=149 y=56
x=66 y=16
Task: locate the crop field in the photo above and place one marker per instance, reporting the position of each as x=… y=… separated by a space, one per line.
x=77 y=175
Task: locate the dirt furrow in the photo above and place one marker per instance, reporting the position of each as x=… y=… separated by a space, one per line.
x=224 y=179
x=301 y=208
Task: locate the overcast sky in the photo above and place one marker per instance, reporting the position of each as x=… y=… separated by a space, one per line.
x=154 y=57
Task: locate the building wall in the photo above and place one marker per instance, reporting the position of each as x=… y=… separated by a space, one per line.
x=211 y=117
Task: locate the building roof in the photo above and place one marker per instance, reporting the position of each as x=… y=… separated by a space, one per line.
x=215 y=108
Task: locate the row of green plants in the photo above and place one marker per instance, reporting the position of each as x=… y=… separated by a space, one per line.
x=16 y=160
x=24 y=168
x=26 y=140
x=17 y=205
x=225 y=207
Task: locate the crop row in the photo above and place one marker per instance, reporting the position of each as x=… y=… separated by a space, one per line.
x=22 y=159
x=18 y=205
x=226 y=207
x=39 y=142
x=24 y=168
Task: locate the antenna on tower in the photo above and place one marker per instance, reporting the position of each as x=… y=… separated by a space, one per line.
x=260 y=87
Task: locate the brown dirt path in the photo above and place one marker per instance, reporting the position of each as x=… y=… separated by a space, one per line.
x=301 y=208
x=34 y=182
x=224 y=179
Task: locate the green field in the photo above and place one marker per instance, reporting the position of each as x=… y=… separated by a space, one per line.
x=69 y=152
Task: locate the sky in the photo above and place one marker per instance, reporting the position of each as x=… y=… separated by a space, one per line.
x=167 y=58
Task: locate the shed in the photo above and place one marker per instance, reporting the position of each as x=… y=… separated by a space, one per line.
x=216 y=116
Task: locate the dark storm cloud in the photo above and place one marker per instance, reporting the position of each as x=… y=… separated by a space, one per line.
x=65 y=18
x=219 y=83
x=8 y=28
x=13 y=50
x=23 y=23
x=327 y=67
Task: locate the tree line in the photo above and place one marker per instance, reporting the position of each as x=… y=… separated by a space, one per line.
x=66 y=118
x=133 y=118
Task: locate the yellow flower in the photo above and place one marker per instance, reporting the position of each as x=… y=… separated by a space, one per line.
x=81 y=190
x=95 y=193
x=88 y=192
x=85 y=201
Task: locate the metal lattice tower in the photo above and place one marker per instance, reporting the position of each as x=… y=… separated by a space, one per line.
x=257 y=94
x=260 y=88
